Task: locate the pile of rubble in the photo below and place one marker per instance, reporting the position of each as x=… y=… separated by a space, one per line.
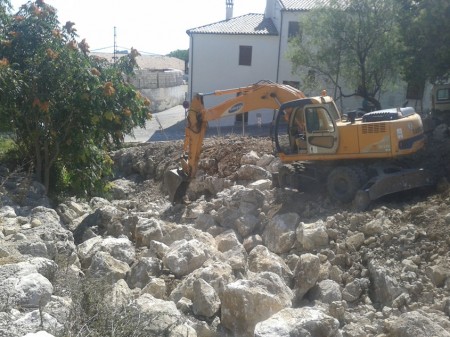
x=243 y=259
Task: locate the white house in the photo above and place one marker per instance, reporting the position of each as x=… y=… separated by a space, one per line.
x=239 y=51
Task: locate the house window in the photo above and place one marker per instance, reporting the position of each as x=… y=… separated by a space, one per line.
x=294 y=30
x=245 y=55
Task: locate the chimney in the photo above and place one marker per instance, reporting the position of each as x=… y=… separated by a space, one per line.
x=229 y=7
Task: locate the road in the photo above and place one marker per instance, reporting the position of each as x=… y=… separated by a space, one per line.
x=165 y=125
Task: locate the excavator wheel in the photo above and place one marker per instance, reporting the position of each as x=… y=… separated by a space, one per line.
x=362 y=174
x=343 y=183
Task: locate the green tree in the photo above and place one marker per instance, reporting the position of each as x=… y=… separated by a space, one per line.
x=7 y=75
x=425 y=28
x=182 y=54
x=354 y=44
x=70 y=108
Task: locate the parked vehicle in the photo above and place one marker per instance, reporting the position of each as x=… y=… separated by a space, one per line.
x=440 y=102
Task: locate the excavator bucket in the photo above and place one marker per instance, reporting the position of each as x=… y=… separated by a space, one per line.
x=397 y=181
x=389 y=181
x=176 y=182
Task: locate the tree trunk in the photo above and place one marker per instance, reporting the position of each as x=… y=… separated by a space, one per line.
x=38 y=160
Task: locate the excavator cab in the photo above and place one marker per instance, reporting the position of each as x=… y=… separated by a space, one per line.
x=306 y=126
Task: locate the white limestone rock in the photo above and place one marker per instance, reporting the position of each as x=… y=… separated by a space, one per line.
x=183 y=257
x=298 y=322
x=249 y=301
x=279 y=234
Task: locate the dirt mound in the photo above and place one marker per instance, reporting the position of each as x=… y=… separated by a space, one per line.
x=221 y=157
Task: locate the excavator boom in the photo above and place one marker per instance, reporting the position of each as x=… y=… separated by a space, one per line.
x=261 y=95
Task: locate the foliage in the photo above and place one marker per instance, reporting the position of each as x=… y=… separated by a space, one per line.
x=5 y=7
x=353 y=44
x=66 y=108
x=425 y=27
x=182 y=54
x=6 y=144
x=98 y=309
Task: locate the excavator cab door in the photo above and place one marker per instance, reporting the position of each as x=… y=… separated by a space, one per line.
x=321 y=131
x=305 y=127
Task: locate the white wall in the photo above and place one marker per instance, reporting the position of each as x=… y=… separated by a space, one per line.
x=215 y=66
x=285 y=68
x=165 y=98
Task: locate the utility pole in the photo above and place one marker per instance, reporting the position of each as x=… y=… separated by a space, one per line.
x=115 y=46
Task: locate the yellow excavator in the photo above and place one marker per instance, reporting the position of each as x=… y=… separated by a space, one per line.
x=315 y=143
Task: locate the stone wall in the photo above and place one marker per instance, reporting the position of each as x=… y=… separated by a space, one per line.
x=159 y=78
x=154 y=79
x=165 y=98
x=164 y=88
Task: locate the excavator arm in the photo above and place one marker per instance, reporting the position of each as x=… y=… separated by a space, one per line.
x=261 y=95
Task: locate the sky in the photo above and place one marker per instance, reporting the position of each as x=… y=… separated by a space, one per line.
x=150 y=26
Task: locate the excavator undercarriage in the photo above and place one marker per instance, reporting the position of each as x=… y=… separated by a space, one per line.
x=349 y=182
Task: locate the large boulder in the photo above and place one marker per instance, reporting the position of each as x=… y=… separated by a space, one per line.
x=217 y=274
x=143 y=270
x=414 y=324
x=384 y=287
x=227 y=240
x=32 y=290
x=301 y=322
x=183 y=257
x=121 y=249
x=262 y=259
x=312 y=236
x=355 y=289
x=206 y=302
x=155 y=317
x=279 y=233
x=326 y=291
x=147 y=230
x=105 y=219
x=252 y=173
x=156 y=287
x=306 y=274
x=249 y=301
x=22 y=285
x=106 y=267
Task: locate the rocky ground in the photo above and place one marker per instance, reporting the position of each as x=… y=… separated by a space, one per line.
x=239 y=258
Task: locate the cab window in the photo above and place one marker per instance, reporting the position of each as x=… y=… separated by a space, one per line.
x=443 y=94
x=318 y=120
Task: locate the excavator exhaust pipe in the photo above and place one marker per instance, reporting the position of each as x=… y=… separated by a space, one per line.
x=176 y=182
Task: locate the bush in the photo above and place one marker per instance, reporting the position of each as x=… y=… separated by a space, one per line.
x=66 y=108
